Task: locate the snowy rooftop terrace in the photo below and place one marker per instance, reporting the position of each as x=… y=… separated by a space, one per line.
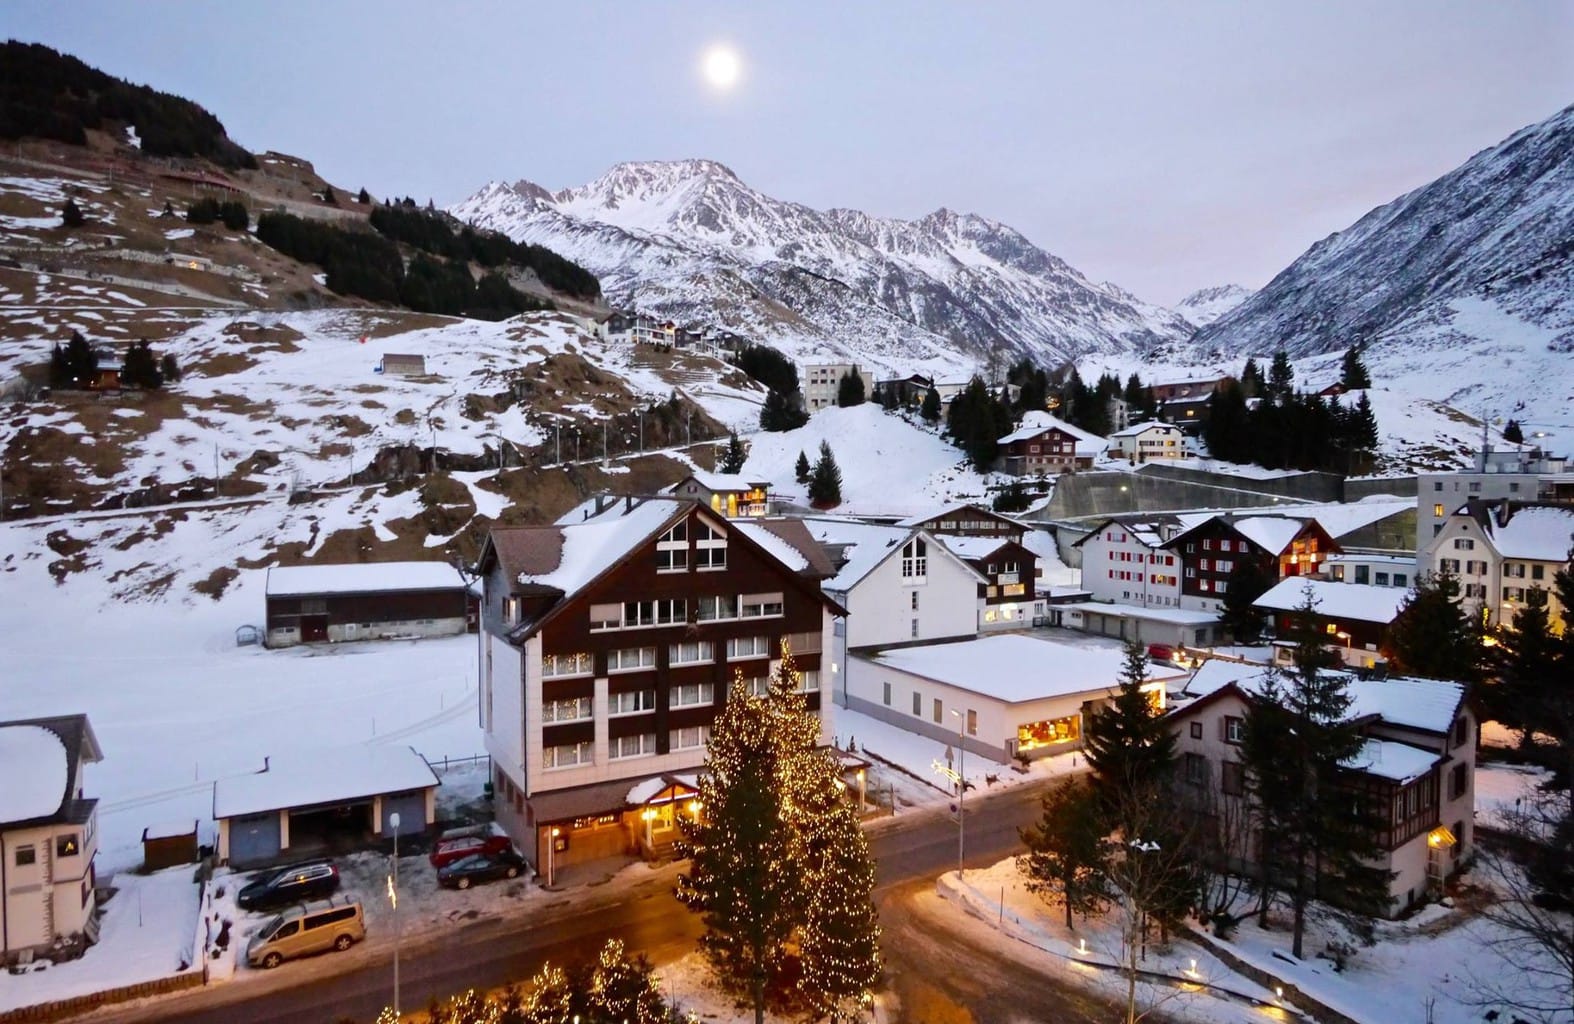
x=323 y=777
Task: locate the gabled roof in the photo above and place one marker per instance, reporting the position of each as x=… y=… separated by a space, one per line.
x=1137 y=428
x=39 y=759
x=1145 y=529
x=1272 y=533
x=974 y=549
x=1535 y=533
x=1425 y=705
x=361 y=578
x=1035 y=423
x=789 y=540
x=1360 y=601
x=867 y=547
x=722 y=482
x=965 y=506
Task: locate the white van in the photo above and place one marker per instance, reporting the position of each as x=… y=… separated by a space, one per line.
x=335 y=923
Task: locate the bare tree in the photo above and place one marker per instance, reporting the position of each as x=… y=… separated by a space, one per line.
x=1225 y=827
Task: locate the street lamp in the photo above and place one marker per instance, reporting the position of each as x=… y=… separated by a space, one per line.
x=393 y=897
x=961 y=792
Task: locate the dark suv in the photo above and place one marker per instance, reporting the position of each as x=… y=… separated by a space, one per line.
x=307 y=880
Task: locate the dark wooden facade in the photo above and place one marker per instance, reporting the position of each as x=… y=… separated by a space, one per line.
x=970 y=521
x=1210 y=552
x=314 y=615
x=1051 y=450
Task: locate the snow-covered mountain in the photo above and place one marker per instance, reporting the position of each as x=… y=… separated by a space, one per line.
x=1496 y=232
x=690 y=241
x=1205 y=305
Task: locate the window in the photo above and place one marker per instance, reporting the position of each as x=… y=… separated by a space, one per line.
x=809 y=682
x=631 y=659
x=567 y=755
x=565 y=665
x=631 y=703
x=756 y=686
x=939 y=710
x=1537 y=572
x=1234 y=729
x=693 y=652
x=1450 y=565
x=918 y=703
x=1475 y=488
x=1437 y=485
x=757 y=606
x=67 y=845
x=576 y=709
x=914 y=600
x=711 y=609
x=512 y=609
x=672 y=550
x=1225 y=545
x=915 y=560
x=693 y=694
x=605 y=616
x=1196 y=730
x=1196 y=769
x=1232 y=778
x=691 y=738
x=1380 y=578
x=972 y=722
x=1437 y=510
x=1363 y=573
x=1458 y=781
x=631 y=746
x=26 y=855
x=710 y=547
x=1221 y=586
x=742 y=647
x=914 y=629
x=886 y=694
x=1401 y=580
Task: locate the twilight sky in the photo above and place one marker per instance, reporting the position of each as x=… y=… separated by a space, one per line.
x=1162 y=147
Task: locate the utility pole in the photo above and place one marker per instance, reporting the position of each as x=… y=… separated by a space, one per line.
x=961 y=792
x=557 y=442
x=215 y=469
x=641 y=414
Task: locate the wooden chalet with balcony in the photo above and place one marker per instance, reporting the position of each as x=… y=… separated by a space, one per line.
x=1211 y=550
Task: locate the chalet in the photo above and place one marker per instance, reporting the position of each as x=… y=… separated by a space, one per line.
x=312 y=802
x=732 y=495
x=966 y=521
x=1000 y=696
x=1415 y=772
x=1044 y=444
x=608 y=647
x=909 y=390
x=1180 y=390
x=1209 y=552
x=48 y=835
x=1124 y=560
x=395 y=365
x=366 y=601
x=1500 y=551
x=1146 y=442
x=1353 y=617
x=1006 y=597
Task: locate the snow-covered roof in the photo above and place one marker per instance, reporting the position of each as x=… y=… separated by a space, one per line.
x=971 y=548
x=722 y=482
x=170 y=829
x=1036 y=422
x=1011 y=668
x=866 y=546
x=590 y=548
x=1359 y=601
x=35 y=770
x=323 y=777
x=1534 y=534
x=1338 y=518
x=779 y=549
x=1358 y=558
x=1137 y=428
x=1178 y=616
x=945 y=510
x=361 y=578
x=1387 y=759
x=1041 y=543
x=1271 y=533
x=1428 y=705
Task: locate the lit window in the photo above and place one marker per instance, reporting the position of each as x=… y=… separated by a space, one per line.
x=566 y=755
x=576 y=709
x=565 y=665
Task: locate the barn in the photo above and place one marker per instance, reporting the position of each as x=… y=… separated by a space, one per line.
x=331 y=801
x=366 y=601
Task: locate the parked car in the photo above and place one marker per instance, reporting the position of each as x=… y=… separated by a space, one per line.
x=481 y=867
x=307 y=880
x=458 y=844
x=1162 y=653
x=335 y=923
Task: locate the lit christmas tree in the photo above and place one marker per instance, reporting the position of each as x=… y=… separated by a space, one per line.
x=840 y=941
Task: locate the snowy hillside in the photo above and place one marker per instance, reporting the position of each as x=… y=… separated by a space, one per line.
x=688 y=240
x=1205 y=305
x=1462 y=291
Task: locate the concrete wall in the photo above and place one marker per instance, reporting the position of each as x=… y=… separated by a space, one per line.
x=1081 y=495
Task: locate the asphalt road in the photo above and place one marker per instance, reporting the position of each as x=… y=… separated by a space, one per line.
x=927 y=972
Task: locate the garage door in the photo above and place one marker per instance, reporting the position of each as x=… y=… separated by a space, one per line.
x=411 y=806
x=254 y=838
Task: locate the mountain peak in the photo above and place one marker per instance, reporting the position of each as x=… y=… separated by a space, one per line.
x=1205 y=305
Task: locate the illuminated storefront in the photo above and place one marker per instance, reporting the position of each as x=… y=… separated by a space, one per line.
x=1052 y=732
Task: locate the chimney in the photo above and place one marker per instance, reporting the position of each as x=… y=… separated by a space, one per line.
x=628 y=503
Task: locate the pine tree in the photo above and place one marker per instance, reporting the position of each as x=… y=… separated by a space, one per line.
x=801 y=470
x=1353 y=374
x=782 y=411
x=850 y=390
x=170 y=368
x=1365 y=433
x=1318 y=835
x=840 y=942
x=328 y=196
x=1432 y=635
x=1526 y=673
x=140 y=367
x=1068 y=854
x=1227 y=432
x=1129 y=746
x=1281 y=377
x=1248 y=581
x=1513 y=433
x=930 y=410
x=1251 y=379
x=364 y=197
x=732 y=462
x=71 y=215
x=80 y=366
x=825 y=482
x=59 y=369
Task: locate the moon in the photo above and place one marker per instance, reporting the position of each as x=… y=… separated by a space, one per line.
x=721 y=66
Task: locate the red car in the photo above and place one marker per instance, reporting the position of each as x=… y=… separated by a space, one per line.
x=1160 y=652
x=462 y=843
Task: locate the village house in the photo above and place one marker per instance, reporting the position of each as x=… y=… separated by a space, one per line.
x=48 y=835
x=366 y=601
x=909 y=390
x=1500 y=551
x=1210 y=551
x=1006 y=597
x=1377 y=570
x=1415 y=772
x=1000 y=696
x=1185 y=402
x=732 y=495
x=1044 y=444
x=1146 y=442
x=608 y=647
x=823 y=381
x=1353 y=618
x=1124 y=560
x=966 y=520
